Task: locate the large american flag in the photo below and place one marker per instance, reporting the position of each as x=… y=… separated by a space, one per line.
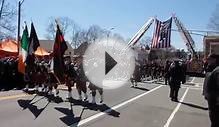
x=162 y=34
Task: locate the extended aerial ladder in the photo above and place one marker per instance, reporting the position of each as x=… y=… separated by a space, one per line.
x=183 y=32
x=186 y=37
x=195 y=65
x=140 y=33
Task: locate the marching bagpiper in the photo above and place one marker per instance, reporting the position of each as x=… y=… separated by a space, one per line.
x=81 y=83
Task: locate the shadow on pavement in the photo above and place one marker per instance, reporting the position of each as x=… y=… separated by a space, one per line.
x=140 y=88
x=102 y=108
x=70 y=119
x=194 y=106
x=29 y=104
x=26 y=104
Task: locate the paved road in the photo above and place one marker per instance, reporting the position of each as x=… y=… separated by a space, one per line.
x=145 y=106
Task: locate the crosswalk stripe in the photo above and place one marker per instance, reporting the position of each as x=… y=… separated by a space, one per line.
x=176 y=109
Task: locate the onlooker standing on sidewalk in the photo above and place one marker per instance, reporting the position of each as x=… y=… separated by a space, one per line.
x=211 y=88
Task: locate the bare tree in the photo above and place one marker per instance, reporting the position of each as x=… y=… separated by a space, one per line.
x=145 y=41
x=78 y=38
x=214 y=19
x=7 y=18
x=66 y=25
x=118 y=37
x=95 y=32
x=75 y=35
x=90 y=35
x=51 y=28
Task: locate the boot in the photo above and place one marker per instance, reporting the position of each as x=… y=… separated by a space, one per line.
x=43 y=88
x=85 y=97
x=50 y=92
x=80 y=98
x=26 y=88
x=101 y=98
x=46 y=89
x=93 y=100
x=56 y=92
x=69 y=95
x=37 y=88
x=135 y=84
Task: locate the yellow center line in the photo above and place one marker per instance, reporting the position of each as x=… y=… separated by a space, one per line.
x=14 y=96
x=27 y=95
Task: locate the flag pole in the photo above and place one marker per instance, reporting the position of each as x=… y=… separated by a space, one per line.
x=57 y=23
x=19 y=23
x=59 y=82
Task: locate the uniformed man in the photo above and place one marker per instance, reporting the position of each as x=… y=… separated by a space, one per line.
x=70 y=76
x=136 y=76
x=176 y=77
x=81 y=83
x=166 y=71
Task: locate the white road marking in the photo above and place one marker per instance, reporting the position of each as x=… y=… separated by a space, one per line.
x=193 y=79
x=84 y=121
x=197 y=84
x=193 y=88
x=176 y=109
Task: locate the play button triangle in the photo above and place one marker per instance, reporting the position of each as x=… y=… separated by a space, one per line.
x=109 y=63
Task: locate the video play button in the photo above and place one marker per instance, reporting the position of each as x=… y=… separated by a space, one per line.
x=108 y=63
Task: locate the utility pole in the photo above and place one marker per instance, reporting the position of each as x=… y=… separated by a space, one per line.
x=19 y=23
x=2 y=7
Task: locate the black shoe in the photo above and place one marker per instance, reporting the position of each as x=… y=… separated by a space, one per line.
x=85 y=99
x=101 y=101
x=57 y=92
x=25 y=90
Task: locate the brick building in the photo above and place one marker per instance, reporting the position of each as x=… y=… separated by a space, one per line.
x=211 y=45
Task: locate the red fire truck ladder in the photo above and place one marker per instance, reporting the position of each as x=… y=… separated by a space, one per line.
x=186 y=37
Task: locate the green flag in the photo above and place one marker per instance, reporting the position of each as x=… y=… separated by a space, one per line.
x=23 y=51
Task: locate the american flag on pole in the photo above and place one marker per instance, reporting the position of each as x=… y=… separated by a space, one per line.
x=162 y=34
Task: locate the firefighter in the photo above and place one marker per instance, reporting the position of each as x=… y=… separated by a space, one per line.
x=175 y=79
